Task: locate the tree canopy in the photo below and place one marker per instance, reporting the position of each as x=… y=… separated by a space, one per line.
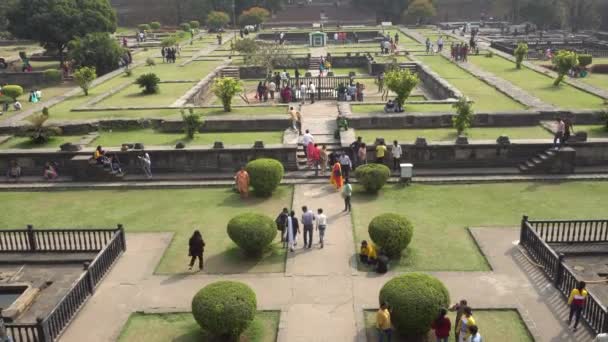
x=97 y=50
x=55 y=22
x=217 y=20
x=254 y=16
x=419 y=11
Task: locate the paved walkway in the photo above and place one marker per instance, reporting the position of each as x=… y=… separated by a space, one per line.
x=321 y=295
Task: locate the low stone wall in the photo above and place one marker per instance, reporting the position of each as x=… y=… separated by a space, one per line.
x=198 y=93
x=436 y=84
x=438 y=120
x=303 y=37
x=167 y=160
x=231 y=124
x=24 y=79
x=349 y=61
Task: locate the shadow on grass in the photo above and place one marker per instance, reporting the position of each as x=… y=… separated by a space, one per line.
x=234 y=260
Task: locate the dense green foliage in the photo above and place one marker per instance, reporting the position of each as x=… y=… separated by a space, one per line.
x=39 y=133
x=521 y=51
x=84 y=76
x=149 y=83
x=563 y=62
x=12 y=91
x=401 y=82
x=225 y=88
x=254 y=16
x=169 y=41
x=225 y=309
x=194 y=24
x=252 y=232
x=185 y=27
x=155 y=25
x=98 y=50
x=265 y=175
x=392 y=232
x=52 y=76
x=464 y=115
x=372 y=176
x=217 y=20
x=56 y=22
x=415 y=300
x=419 y=11
x=143 y=27
x=585 y=59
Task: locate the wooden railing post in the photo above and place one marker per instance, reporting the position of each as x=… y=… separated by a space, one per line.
x=30 y=238
x=524 y=220
x=123 y=237
x=89 y=277
x=559 y=271
x=43 y=331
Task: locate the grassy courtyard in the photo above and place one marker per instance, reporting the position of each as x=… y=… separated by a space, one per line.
x=539 y=85
x=494 y=325
x=132 y=96
x=449 y=134
x=441 y=213
x=183 y=328
x=208 y=210
x=409 y=108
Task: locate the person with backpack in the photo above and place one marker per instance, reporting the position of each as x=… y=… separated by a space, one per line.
x=281 y=222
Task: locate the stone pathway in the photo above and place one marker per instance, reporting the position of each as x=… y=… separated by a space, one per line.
x=321 y=295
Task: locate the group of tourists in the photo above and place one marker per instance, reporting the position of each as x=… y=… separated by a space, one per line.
x=430 y=49
x=459 y=52
x=49 y=172
x=465 y=330
x=101 y=157
x=35 y=96
x=287 y=223
x=169 y=54
x=389 y=45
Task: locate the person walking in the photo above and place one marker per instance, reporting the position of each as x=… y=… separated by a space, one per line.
x=292 y=230
x=463 y=325
x=380 y=82
x=347 y=193
x=323 y=158
x=362 y=154
x=354 y=150
x=459 y=308
x=321 y=226
x=396 y=151
x=308 y=219
x=442 y=326
x=242 y=182
x=559 y=134
x=307 y=139
x=380 y=152
x=383 y=322
x=336 y=176
x=345 y=164
x=196 y=248
x=312 y=90
x=146 y=164
x=577 y=300
x=568 y=130
x=281 y=222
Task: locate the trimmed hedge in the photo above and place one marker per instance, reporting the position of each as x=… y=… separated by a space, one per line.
x=52 y=76
x=252 y=232
x=265 y=175
x=372 y=176
x=225 y=309
x=584 y=60
x=392 y=232
x=415 y=299
x=12 y=91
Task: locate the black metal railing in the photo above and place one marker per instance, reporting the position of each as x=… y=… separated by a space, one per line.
x=110 y=243
x=535 y=237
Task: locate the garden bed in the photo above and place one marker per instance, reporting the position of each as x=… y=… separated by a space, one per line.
x=449 y=134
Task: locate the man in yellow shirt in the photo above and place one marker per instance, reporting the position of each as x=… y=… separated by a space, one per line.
x=577 y=300
x=380 y=152
x=383 y=322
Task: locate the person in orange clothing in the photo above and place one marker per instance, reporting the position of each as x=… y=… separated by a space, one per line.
x=336 y=176
x=242 y=182
x=577 y=300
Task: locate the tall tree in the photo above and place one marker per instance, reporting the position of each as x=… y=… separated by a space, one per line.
x=55 y=22
x=419 y=11
x=97 y=50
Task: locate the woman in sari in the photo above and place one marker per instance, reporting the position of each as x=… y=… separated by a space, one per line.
x=311 y=154
x=242 y=182
x=323 y=157
x=336 y=176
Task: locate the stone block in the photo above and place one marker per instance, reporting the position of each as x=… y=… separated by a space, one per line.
x=218 y=144
x=69 y=147
x=420 y=141
x=462 y=140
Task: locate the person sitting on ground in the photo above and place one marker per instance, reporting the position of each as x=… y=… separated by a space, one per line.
x=367 y=254
x=389 y=107
x=50 y=172
x=17 y=105
x=14 y=171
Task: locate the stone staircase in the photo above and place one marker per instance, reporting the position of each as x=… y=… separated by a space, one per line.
x=87 y=170
x=550 y=161
x=232 y=72
x=314 y=63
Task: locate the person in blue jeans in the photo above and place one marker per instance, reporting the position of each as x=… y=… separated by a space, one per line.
x=383 y=322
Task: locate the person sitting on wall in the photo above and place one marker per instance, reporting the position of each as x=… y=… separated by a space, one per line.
x=14 y=171
x=100 y=156
x=390 y=106
x=50 y=171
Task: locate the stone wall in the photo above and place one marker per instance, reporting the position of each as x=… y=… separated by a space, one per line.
x=24 y=79
x=231 y=124
x=435 y=84
x=303 y=37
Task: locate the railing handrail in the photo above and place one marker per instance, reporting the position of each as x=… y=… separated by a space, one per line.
x=543 y=242
x=589 y=293
x=566 y=221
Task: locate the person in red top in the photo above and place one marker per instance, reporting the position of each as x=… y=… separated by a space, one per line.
x=442 y=326
x=577 y=299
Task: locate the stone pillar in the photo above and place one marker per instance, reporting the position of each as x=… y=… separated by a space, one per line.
x=565 y=161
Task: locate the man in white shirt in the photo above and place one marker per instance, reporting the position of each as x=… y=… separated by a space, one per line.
x=397 y=152
x=313 y=90
x=272 y=87
x=321 y=225
x=307 y=138
x=303 y=92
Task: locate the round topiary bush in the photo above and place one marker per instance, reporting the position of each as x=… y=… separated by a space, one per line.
x=265 y=175
x=12 y=91
x=252 y=232
x=372 y=176
x=415 y=299
x=224 y=309
x=392 y=232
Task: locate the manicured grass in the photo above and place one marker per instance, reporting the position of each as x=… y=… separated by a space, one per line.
x=593 y=131
x=132 y=96
x=26 y=142
x=412 y=108
x=597 y=80
x=449 y=134
x=150 y=137
x=486 y=97
x=441 y=213
x=183 y=328
x=179 y=211
x=539 y=85
x=494 y=325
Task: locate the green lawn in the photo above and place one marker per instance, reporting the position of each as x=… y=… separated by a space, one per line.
x=26 y=142
x=183 y=210
x=151 y=137
x=539 y=85
x=486 y=97
x=494 y=325
x=597 y=80
x=449 y=134
x=593 y=131
x=133 y=97
x=183 y=328
x=409 y=108
x=441 y=213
